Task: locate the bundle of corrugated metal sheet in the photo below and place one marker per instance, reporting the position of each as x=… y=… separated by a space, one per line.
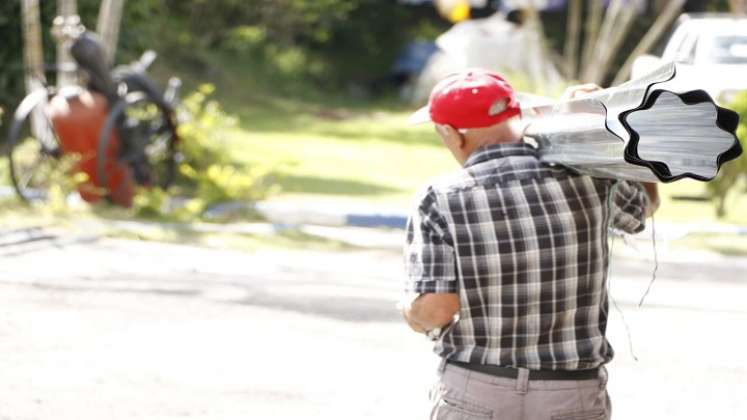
x=652 y=129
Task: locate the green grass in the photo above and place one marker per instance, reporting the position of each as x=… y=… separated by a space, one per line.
x=325 y=145
x=366 y=156
x=690 y=211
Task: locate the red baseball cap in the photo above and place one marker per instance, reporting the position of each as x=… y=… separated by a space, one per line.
x=472 y=98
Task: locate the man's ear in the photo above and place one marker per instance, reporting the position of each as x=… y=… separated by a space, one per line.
x=450 y=134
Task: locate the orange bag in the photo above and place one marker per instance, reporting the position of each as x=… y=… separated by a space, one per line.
x=78 y=120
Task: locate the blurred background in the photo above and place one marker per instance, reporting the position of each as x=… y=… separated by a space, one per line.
x=308 y=98
x=244 y=260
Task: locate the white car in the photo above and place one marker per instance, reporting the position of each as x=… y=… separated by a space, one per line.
x=711 y=54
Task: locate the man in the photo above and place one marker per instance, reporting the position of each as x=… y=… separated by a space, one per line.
x=507 y=263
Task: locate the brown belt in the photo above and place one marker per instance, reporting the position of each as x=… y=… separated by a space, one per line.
x=541 y=375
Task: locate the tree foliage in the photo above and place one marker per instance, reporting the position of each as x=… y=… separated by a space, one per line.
x=330 y=42
x=340 y=40
x=136 y=34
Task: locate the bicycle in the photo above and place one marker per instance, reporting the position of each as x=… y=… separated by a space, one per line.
x=135 y=143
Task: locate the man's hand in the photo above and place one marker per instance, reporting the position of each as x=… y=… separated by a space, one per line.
x=431 y=310
x=579 y=91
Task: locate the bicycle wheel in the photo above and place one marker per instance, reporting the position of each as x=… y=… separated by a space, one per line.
x=33 y=149
x=147 y=138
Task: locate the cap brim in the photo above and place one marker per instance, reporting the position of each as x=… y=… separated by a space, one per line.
x=421 y=116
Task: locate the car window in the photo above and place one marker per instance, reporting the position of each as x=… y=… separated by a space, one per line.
x=725 y=49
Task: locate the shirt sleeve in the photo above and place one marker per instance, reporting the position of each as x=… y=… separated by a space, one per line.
x=629 y=202
x=429 y=250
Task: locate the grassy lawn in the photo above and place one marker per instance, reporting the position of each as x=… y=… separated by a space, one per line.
x=677 y=205
x=372 y=155
x=326 y=146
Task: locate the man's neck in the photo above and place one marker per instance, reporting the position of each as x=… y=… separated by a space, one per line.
x=490 y=141
x=504 y=133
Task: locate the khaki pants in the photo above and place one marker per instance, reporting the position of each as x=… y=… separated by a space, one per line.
x=461 y=394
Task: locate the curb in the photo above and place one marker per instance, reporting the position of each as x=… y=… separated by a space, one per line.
x=326 y=215
x=322 y=214
x=329 y=214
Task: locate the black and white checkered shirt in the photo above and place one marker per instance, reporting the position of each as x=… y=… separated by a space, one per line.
x=524 y=245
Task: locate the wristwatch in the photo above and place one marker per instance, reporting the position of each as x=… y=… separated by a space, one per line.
x=433 y=334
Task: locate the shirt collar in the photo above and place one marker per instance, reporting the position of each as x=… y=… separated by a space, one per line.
x=497 y=151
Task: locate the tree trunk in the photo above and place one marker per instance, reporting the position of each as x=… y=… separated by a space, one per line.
x=593 y=23
x=67 y=7
x=107 y=26
x=615 y=28
x=573 y=28
x=33 y=56
x=663 y=21
x=67 y=11
x=33 y=61
x=660 y=5
x=602 y=41
x=536 y=58
x=738 y=6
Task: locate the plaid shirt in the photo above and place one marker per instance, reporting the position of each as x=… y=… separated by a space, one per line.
x=524 y=245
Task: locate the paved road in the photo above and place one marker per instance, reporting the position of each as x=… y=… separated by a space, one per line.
x=112 y=329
